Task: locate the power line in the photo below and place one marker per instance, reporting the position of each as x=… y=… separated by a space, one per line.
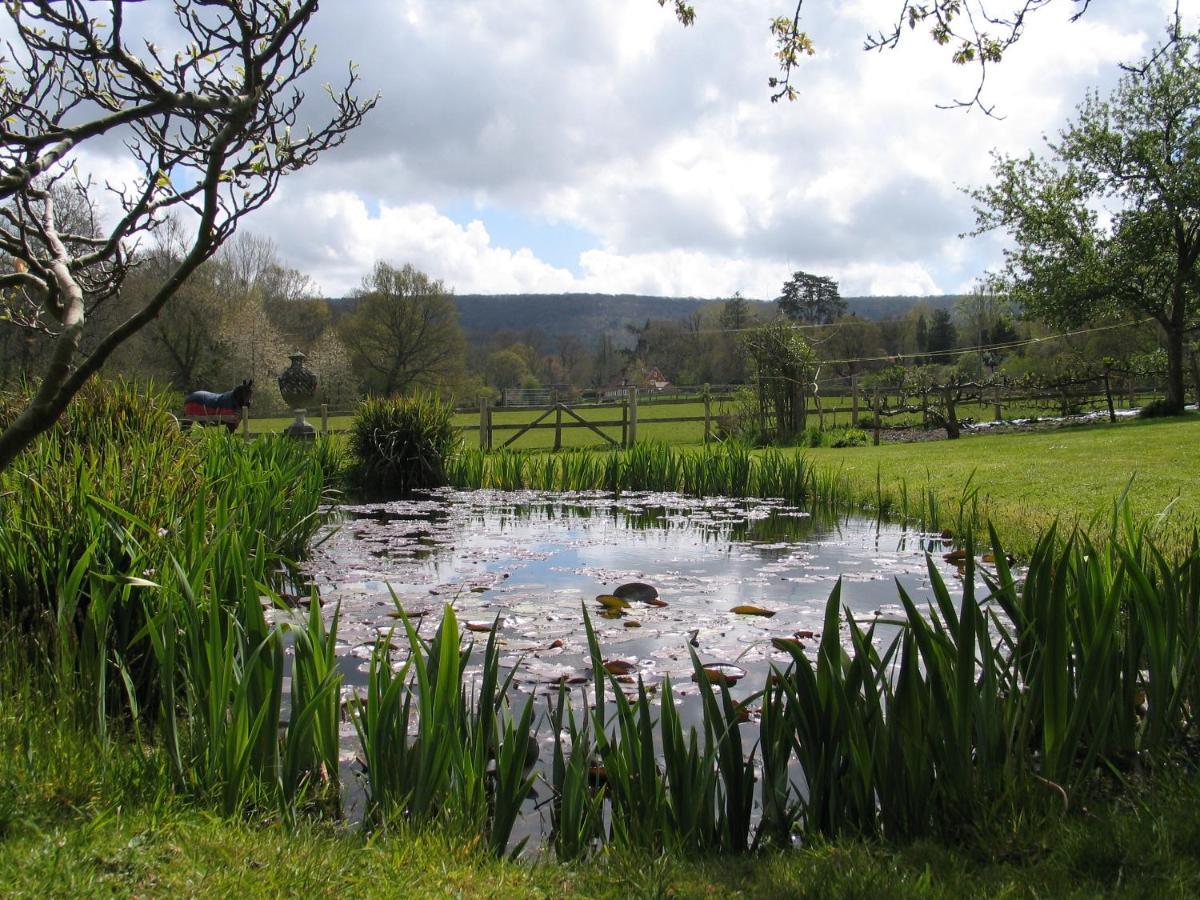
x=892 y=357
x=1006 y=345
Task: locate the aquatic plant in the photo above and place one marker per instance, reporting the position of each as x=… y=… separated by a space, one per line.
x=402 y=444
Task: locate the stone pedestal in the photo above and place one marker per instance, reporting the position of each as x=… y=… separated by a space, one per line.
x=298 y=387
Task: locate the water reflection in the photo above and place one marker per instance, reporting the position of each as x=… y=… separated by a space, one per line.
x=534 y=560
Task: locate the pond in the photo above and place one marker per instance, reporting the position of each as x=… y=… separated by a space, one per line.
x=534 y=561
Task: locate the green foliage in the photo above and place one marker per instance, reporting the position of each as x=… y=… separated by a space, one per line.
x=784 y=364
x=1157 y=409
x=849 y=437
x=1133 y=153
x=812 y=299
x=402 y=444
x=730 y=470
x=468 y=763
x=403 y=334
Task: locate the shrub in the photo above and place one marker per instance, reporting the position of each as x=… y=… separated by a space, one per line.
x=401 y=444
x=811 y=437
x=1155 y=409
x=850 y=437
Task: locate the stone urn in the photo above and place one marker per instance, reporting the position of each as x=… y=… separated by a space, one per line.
x=298 y=387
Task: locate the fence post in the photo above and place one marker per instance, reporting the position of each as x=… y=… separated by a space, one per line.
x=483 y=423
x=633 y=401
x=878 y=416
x=707 y=413
x=246 y=422
x=625 y=421
x=999 y=412
x=557 y=425
x=854 y=400
x=325 y=418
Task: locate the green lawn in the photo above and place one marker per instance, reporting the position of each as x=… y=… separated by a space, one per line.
x=1026 y=480
x=81 y=820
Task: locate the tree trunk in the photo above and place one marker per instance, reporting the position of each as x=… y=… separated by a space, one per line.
x=951 y=421
x=1195 y=358
x=1175 y=399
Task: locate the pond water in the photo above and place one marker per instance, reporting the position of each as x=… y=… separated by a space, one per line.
x=534 y=560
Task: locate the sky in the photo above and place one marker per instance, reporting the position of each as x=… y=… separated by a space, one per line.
x=598 y=146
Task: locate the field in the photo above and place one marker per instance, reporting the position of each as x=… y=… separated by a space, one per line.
x=1027 y=480
x=837 y=415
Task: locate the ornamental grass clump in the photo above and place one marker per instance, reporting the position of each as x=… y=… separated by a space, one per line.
x=402 y=444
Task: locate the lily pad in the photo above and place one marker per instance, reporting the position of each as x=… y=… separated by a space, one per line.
x=612 y=601
x=746 y=609
x=637 y=592
x=619 y=666
x=721 y=673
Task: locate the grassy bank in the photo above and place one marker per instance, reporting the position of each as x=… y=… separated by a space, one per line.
x=1022 y=482
x=81 y=820
x=1026 y=480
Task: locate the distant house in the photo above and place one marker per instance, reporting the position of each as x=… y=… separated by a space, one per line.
x=652 y=380
x=656 y=380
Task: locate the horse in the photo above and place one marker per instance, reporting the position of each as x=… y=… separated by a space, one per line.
x=211 y=408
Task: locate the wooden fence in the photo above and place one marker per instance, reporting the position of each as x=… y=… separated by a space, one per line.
x=837 y=402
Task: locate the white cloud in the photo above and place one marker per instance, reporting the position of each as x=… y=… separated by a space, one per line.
x=608 y=116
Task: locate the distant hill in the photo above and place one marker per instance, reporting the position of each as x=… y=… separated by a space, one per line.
x=595 y=314
x=590 y=315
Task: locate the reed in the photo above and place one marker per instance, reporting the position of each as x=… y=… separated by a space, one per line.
x=468 y=762
x=402 y=444
x=577 y=794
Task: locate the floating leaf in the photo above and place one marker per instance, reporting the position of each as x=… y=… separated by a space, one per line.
x=722 y=673
x=746 y=609
x=637 y=592
x=483 y=627
x=633 y=623
x=787 y=645
x=619 y=666
x=612 y=601
x=802 y=635
x=955 y=556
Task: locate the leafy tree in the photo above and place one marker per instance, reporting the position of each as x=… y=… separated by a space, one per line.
x=404 y=332
x=811 y=298
x=736 y=313
x=849 y=343
x=207 y=124
x=784 y=365
x=942 y=336
x=1135 y=157
x=921 y=334
x=507 y=368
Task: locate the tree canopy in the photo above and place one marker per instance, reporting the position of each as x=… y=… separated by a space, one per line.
x=404 y=332
x=813 y=299
x=1108 y=223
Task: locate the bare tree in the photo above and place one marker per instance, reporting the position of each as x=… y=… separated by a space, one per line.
x=208 y=126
